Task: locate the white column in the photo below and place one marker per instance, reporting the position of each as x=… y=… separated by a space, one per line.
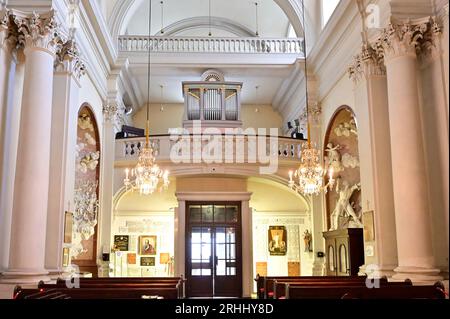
x=180 y=239
x=371 y=99
x=28 y=233
x=105 y=218
x=8 y=125
x=412 y=214
x=66 y=88
x=317 y=211
x=247 y=249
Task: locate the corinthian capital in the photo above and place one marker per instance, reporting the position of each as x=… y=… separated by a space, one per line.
x=403 y=38
x=366 y=63
x=38 y=30
x=110 y=111
x=8 y=31
x=68 y=59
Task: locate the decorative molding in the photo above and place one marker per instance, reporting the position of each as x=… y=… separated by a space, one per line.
x=213 y=196
x=405 y=38
x=367 y=63
x=68 y=60
x=202 y=22
x=38 y=30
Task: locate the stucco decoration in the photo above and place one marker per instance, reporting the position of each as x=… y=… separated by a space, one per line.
x=90 y=140
x=350 y=161
x=85 y=122
x=342 y=154
x=89 y=162
x=346 y=129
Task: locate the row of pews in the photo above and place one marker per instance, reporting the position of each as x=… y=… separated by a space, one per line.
x=106 y=288
x=343 y=288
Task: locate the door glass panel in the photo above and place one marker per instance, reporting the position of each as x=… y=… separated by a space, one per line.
x=207 y=214
x=232 y=214
x=221 y=268
x=201 y=251
x=219 y=214
x=195 y=214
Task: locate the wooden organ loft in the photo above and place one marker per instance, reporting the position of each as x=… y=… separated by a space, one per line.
x=212 y=101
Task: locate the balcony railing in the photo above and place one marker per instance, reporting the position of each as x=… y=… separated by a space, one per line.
x=129 y=43
x=285 y=148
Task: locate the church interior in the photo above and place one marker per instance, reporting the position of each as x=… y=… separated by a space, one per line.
x=269 y=149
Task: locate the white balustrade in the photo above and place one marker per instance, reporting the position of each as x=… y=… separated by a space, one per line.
x=130 y=43
x=287 y=148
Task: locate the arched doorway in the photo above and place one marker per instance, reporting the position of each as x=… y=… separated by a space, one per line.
x=85 y=216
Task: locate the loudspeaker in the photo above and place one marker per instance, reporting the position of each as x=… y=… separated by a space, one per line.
x=105 y=257
x=290 y=125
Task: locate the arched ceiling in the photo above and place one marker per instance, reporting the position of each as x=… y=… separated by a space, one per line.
x=272 y=20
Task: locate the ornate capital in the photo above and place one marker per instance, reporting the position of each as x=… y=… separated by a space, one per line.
x=430 y=50
x=68 y=59
x=404 y=38
x=8 y=31
x=368 y=62
x=315 y=113
x=110 y=111
x=38 y=31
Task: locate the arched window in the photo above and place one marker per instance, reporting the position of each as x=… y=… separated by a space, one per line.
x=328 y=7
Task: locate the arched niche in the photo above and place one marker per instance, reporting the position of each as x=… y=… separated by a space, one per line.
x=86 y=195
x=341 y=148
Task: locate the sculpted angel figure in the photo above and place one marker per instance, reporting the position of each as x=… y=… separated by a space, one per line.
x=333 y=159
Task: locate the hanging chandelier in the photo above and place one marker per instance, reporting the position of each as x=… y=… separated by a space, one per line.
x=147 y=176
x=308 y=179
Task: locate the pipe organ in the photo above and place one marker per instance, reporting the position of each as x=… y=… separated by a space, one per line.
x=214 y=102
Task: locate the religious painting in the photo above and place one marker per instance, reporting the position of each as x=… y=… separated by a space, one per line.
x=369 y=228
x=277 y=241
x=147 y=261
x=147 y=245
x=261 y=269
x=131 y=259
x=68 y=222
x=121 y=243
x=293 y=269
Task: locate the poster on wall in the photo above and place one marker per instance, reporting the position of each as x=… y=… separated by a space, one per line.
x=261 y=269
x=147 y=261
x=68 y=222
x=121 y=243
x=277 y=241
x=131 y=259
x=147 y=245
x=293 y=269
x=369 y=228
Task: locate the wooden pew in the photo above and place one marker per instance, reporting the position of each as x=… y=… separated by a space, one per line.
x=99 y=293
x=98 y=283
x=350 y=292
x=266 y=284
x=279 y=287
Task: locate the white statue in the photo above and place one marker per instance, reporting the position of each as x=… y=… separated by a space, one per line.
x=350 y=161
x=343 y=205
x=346 y=129
x=333 y=159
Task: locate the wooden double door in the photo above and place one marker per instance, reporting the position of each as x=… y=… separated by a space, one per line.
x=213 y=250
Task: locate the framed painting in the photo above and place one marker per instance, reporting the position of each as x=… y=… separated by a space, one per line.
x=121 y=243
x=68 y=223
x=277 y=241
x=148 y=261
x=369 y=228
x=147 y=245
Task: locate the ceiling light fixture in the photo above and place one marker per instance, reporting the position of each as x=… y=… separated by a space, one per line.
x=309 y=177
x=147 y=174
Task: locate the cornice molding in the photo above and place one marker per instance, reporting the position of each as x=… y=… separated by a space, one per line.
x=202 y=22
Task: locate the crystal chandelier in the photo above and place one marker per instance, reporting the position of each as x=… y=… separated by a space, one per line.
x=147 y=174
x=309 y=177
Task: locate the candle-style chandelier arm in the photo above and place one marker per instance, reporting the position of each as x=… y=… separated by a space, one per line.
x=147 y=176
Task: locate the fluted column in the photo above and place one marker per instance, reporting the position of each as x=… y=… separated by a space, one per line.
x=399 y=44
x=28 y=233
x=68 y=71
x=371 y=96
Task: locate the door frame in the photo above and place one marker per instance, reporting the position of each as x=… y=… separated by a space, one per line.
x=239 y=251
